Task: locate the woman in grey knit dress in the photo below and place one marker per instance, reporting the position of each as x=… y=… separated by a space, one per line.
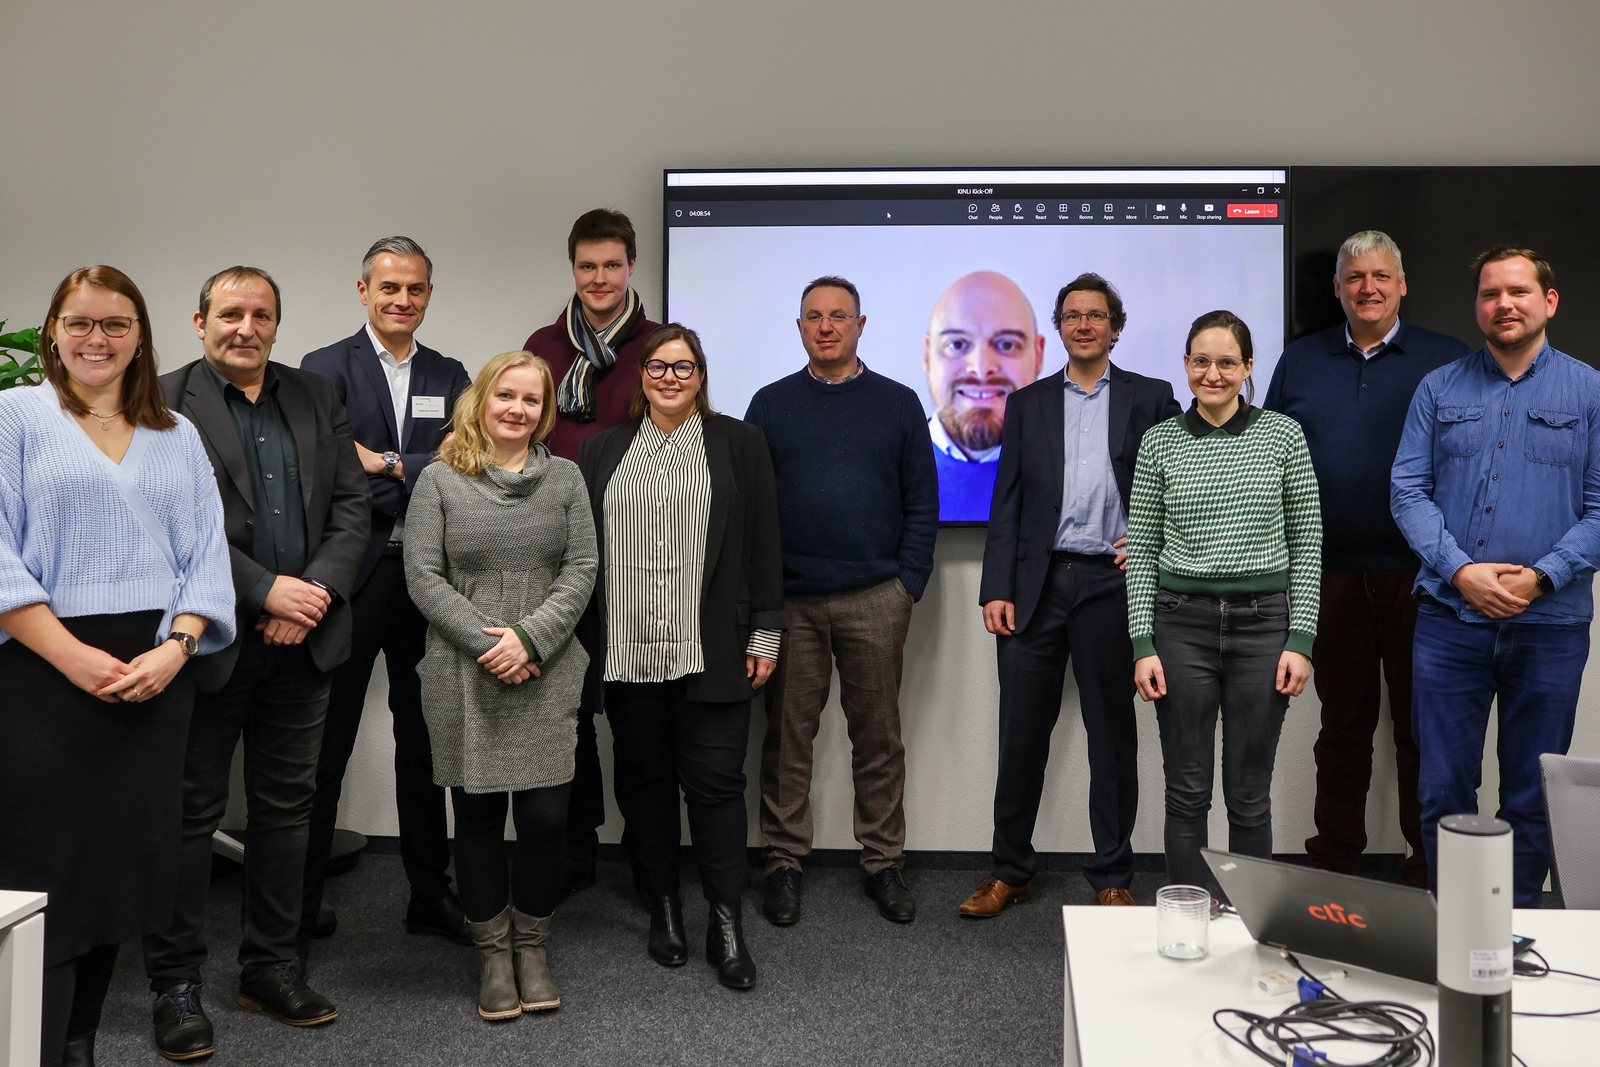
x=500 y=558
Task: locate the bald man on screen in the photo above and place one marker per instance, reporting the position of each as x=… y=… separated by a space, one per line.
x=983 y=344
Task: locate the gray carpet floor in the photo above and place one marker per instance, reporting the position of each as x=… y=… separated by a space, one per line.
x=841 y=987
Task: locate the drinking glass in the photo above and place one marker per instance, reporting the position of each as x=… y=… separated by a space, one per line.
x=1183 y=922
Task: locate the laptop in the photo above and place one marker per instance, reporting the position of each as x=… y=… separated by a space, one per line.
x=1377 y=925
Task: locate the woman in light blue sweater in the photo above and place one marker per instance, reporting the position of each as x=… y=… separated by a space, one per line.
x=113 y=572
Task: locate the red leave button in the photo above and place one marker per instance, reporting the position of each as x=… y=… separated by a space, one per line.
x=1252 y=211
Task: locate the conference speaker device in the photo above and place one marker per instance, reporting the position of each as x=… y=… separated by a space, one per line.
x=1474 y=942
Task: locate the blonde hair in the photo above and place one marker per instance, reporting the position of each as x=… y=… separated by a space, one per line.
x=470 y=450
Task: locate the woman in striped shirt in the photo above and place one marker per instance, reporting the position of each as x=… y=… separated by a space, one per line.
x=1224 y=569
x=686 y=617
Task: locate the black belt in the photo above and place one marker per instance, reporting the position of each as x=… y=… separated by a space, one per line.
x=1063 y=556
x=394 y=550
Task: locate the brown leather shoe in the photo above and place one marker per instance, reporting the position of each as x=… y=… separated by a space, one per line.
x=993 y=897
x=1115 y=896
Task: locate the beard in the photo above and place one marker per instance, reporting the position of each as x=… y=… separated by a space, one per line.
x=974 y=430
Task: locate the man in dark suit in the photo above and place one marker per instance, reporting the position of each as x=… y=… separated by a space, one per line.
x=296 y=514
x=400 y=396
x=1053 y=588
x=593 y=351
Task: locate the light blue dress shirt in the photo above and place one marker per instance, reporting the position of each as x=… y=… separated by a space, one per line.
x=1492 y=470
x=1091 y=508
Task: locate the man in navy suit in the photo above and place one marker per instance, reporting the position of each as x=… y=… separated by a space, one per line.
x=1053 y=589
x=399 y=396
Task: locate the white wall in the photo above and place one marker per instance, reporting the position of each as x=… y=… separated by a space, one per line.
x=175 y=139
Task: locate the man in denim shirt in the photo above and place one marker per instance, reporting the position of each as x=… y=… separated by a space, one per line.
x=1497 y=489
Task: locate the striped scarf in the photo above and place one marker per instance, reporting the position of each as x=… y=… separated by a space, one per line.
x=575 y=398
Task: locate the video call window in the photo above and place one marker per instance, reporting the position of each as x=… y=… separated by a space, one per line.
x=958 y=271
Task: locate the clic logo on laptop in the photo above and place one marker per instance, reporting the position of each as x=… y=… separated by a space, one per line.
x=1333 y=913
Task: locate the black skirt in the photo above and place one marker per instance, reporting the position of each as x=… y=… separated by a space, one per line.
x=91 y=793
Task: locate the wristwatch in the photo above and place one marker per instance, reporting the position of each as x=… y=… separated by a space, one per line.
x=390 y=461
x=1546 y=586
x=188 y=642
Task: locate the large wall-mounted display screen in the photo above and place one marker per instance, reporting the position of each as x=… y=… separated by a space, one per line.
x=958 y=272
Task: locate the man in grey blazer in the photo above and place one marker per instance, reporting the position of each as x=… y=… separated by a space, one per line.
x=296 y=512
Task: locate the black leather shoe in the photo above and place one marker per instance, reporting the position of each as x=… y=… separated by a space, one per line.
x=325 y=923
x=726 y=949
x=888 y=888
x=580 y=873
x=182 y=1030
x=281 y=992
x=79 y=1051
x=442 y=918
x=667 y=944
x=781 y=902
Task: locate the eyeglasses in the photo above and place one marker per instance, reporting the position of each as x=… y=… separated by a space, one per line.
x=1227 y=364
x=837 y=318
x=682 y=370
x=1096 y=318
x=83 y=326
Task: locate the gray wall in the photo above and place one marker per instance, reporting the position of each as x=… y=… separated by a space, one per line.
x=175 y=139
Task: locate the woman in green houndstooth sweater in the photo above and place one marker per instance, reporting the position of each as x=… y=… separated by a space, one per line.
x=1224 y=568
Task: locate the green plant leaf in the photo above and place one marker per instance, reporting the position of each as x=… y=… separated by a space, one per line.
x=23 y=340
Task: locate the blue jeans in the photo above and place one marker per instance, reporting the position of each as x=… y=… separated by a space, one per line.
x=1459 y=669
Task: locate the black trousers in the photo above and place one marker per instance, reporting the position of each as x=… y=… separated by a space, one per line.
x=663 y=741
x=74 y=992
x=277 y=699
x=1082 y=616
x=586 y=810
x=384 y=620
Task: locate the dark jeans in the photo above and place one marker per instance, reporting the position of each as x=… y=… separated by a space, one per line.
x=663 y=741
x=277 y=699
x=1082 y=615
x=1219 y=653
x=383 y=620
x=74 y=994
x=864 y=632
x=1461 y=669
x=1364 y=634
x=538 y=856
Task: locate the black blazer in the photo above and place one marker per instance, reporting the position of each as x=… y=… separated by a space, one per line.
x=358 y=376
x=743 y=585
x=1026 y=511
x=332 y=488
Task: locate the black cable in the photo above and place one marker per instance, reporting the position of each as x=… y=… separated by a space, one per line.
x=1519 y=1059
x=1401 y=1027
x=1539 y=970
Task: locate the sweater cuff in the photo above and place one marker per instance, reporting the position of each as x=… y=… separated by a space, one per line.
x=1144 y=646
x=1301 y=642
x=527 y=642
x=916 y=582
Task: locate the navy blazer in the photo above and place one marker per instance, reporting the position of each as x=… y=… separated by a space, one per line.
x=1026 y=511
x=358 y=377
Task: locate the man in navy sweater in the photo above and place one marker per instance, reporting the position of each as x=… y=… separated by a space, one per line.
x=858 y=509
x=1349 y=388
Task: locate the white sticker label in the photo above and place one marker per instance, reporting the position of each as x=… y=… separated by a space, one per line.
x=1489 y=964
x=427 y=407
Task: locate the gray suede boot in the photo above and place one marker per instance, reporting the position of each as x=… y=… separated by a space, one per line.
x=497 y=986
x=539 y=991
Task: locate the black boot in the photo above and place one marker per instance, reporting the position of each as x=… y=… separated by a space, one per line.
x=725 y=947
x=182 y=1030
x=667 y=945
x=79 y=1051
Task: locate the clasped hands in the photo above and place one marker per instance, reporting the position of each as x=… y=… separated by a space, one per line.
x=293 y=608
x=1497 y=590
x=508 y=660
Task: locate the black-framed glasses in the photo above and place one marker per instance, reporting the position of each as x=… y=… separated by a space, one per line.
x=83 y=325
x=682 y=370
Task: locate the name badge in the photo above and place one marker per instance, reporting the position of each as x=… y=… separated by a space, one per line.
x=427 y=407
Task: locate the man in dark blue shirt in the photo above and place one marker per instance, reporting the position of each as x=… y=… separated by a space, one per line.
x=858 y=510
x=1349 y=388
x=1497 y=488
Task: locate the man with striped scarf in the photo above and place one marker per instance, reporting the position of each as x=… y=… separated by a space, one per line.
x=593 y=352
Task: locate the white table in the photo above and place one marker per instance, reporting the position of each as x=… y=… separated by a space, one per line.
x=21 y=970
x=1126 y=1006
